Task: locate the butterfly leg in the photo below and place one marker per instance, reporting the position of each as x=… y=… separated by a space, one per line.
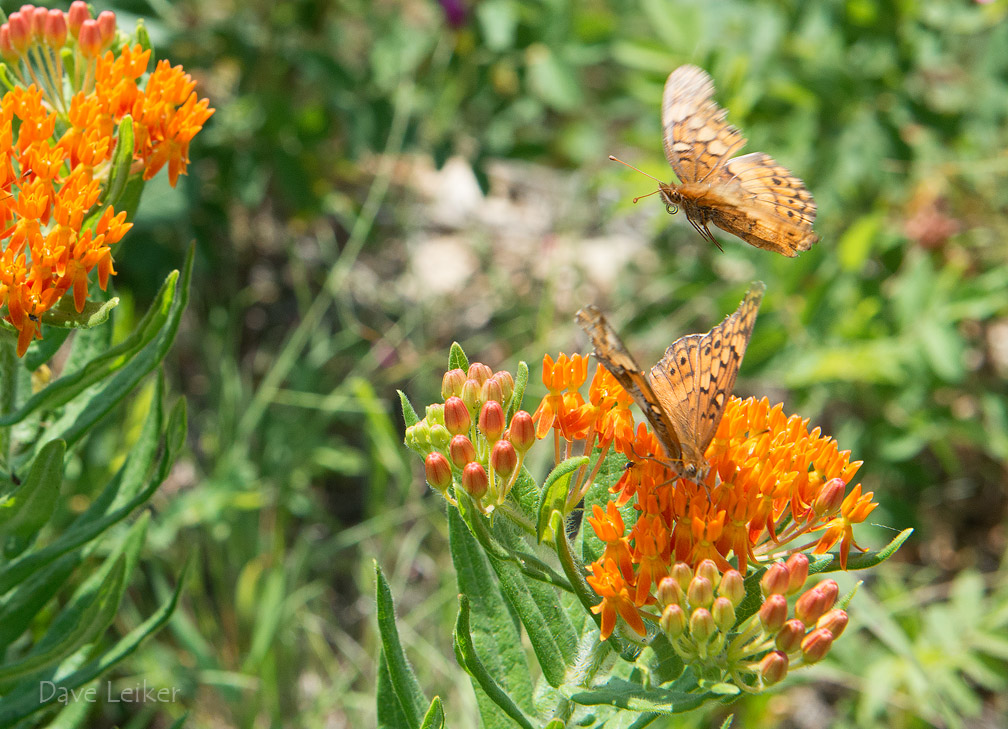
x=704 y=231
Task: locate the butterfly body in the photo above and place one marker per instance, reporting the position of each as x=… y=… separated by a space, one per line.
x=684 y=395
x=750 y=196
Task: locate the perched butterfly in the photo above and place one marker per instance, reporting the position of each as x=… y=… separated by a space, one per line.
x=750 y=196
x=684 y=395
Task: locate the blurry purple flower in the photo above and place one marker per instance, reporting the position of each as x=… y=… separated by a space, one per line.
x=455 y=12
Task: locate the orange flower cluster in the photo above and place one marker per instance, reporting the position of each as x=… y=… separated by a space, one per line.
x=56 y=152
x=773 y=488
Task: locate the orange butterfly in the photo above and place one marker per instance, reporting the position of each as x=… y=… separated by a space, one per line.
x=684 y=395
x=751 y=196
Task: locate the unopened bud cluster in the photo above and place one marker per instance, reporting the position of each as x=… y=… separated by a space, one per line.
x=699 y=619
x=467 y=440
x=50 y=30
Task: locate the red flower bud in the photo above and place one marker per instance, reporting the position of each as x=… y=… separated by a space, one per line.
x=503 y=458
x=816 y=645
x=456 y=415
x=106 y=26
x=491 y=390
x=491 y=421
x=7 y=51
x=775 y=579
x=89 y=39
x=38 y=19
x=55 y=29
x=474 y=480
x=479 y=372
x=708 y=569
x=506 y=382
x=790 y=636
x=773 y=613
x=451 y=383
x=773 y=668
x=78 y=13
x=797 y=565
x=20 y=32
x=834 y=621
x=829 y=498
x=522 y=431
x=437 y=470
x=816 y=602
x=461 y=450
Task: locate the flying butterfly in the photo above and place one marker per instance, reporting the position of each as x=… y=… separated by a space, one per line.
x=684 y=395
x=752 y=196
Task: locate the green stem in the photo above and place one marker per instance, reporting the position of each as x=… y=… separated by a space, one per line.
x=9 y=369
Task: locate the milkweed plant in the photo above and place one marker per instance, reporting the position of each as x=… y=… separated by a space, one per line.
x=86 y=118
x=670 y=593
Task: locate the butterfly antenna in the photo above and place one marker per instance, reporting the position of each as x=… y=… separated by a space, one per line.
x=641 y=197
x=617 y=159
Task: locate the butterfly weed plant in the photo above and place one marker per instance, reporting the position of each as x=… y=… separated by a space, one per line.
x=85 y=119
x=670 y=593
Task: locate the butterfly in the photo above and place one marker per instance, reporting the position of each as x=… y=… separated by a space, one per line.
x=752 y=196
x=684 y=395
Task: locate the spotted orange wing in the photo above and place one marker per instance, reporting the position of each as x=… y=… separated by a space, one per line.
x=752 y=196
x=697 y=138
x=696 y=376
x=613 y=354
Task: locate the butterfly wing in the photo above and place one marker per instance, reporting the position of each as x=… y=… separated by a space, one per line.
x=613 y=354
x=697 y=138
x=696 y=376
x=772 y=209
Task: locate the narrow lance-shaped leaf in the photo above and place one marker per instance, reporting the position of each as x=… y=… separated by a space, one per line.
x=404 y=682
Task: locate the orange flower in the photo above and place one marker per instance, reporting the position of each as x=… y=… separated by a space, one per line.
x=855 y=509
x=49 y=186
x=608 y=582
x=563 y=407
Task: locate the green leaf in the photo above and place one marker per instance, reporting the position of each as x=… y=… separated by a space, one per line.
x=868 y=559
x=65 y=316
x=29 y=508
x=521 y=382
x=434 y=718
x=465 y=653
x=404 y=683
x=24 y=700
x=409 y=415
x=553 y=497
x=457 y=359
x=634 y=697
x=390 y=715
x=495 y=633
x=119 y=170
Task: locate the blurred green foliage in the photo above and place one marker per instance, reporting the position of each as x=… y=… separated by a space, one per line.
x=890 y=334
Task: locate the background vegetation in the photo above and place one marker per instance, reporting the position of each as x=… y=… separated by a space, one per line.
x=382 y=178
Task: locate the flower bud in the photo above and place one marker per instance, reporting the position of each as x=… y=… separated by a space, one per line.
x=669 y=592
x=439 y=436
x=773 y=668
x=816 y=602
x=521 y=433
x=682 y=574
x=732 y=586
x=78 y=13
x=419 y=434
x=491 y=390
x=451 y=383
x=88 y=39
x=461 y=451
x=797 y=565
x=38 y=19
x=20 y=32
x=491 y=420
x=471 y=396
x=506 y=382
x=107 y=27
x=55 y=29
x=708 y=569
x=437 y=471
x=479 y=372
x=7 y=51
x=503 y=458
x=700 y=593
x=790 y=636
x=673 y=621
x=701 y=625
x=829 y=498
x=474 y=480
x=456 y=415
x=816 y=645
x=434 y=414
x=775 y=579
x=724 y=614
x=773 y=613
x=834 y=621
